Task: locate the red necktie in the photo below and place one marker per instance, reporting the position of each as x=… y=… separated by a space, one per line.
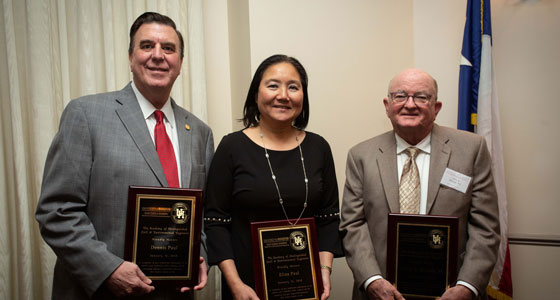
x=165 y=151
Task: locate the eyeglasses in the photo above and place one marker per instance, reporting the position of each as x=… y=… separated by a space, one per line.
x=402 y=97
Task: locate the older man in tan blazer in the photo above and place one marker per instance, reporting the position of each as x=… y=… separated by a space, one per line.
x=373 y=172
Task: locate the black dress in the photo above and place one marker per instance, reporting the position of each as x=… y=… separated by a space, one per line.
x=240 y=190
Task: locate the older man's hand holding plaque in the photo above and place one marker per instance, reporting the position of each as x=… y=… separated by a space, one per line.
x=422 y=254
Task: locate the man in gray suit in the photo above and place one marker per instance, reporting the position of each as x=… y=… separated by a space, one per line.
x=105 y=143
x=373 y=174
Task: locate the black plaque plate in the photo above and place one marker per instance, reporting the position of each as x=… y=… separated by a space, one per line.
x=163 y=234
x=286 y=260
x=422 y=254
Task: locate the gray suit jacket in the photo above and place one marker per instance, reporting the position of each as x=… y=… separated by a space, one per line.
x=371 y=192
x=102 y=147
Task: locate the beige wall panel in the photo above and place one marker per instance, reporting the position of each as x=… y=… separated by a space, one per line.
x=536 y=270
x=218 y=84
x=438 y=36
x=527 y=59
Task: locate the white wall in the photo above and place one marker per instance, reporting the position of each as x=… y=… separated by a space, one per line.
x=527 y=43
x=351 y=49
x=218 y=75
x=527 y=57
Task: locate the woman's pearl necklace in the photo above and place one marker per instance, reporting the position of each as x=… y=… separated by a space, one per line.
x=276 y=184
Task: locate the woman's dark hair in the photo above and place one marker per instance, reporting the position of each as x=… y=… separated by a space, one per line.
x=251 y=114
x=153 y=17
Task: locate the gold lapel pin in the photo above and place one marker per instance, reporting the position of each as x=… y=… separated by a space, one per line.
x=187 y=127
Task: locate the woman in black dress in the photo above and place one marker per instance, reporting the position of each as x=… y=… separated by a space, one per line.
x=273 y=158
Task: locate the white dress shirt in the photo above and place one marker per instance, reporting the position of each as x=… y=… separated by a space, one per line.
x=422 y=161
x=169 y=121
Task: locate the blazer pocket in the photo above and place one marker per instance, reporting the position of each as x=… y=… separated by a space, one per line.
x=453 y=202
x=446 y=189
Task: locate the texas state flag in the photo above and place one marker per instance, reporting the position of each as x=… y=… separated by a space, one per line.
x=479 y=113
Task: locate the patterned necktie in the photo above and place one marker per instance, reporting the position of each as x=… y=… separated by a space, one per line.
x=409 y=188
x=165 y=151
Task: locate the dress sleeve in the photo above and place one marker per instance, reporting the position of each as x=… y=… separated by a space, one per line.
x=327 y=217
x=217 y=204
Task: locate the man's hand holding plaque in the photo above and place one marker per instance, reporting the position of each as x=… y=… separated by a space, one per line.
x=163 y=236
x=382 y=289
x=202 y=277
x=458 y=292
x=129 y=280
x=422 y=255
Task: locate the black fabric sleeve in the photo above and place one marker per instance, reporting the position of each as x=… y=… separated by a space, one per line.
x=327 y=216
x=217 y=204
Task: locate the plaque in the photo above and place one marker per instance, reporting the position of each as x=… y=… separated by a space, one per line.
x=286 y=260
x=422 y=254
x=163 y=234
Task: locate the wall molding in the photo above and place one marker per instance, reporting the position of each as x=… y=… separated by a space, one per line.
x=534 y=240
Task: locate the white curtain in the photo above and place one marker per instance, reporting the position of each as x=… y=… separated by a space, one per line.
x=52 y=51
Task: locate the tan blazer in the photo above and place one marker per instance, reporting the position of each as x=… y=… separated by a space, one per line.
x=371 y=193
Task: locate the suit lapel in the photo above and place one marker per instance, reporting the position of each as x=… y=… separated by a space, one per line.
x=439 y=159
x=185 y=141
x=387 y=164
x=133 y=120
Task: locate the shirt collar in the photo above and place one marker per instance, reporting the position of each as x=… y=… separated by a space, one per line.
x=148 y=108
x=424 y=145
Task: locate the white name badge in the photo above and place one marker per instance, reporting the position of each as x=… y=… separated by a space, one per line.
x=456 y=180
